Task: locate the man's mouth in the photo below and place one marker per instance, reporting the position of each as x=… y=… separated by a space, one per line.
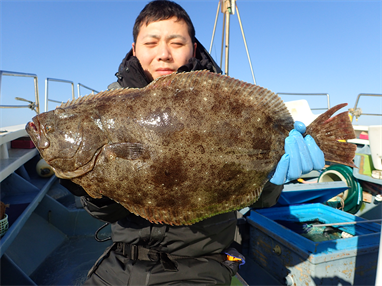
x=164 y=71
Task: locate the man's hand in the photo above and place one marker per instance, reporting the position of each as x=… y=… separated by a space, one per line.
x=302 y=155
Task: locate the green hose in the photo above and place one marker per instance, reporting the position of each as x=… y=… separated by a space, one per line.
x=353 y=196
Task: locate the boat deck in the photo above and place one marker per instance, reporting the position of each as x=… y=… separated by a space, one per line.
x=57 y=269
x=54 y=246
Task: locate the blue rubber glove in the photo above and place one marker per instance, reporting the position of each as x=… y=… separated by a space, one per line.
x=302 y=155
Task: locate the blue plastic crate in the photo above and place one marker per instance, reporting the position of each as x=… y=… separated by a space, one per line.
x=296 y=260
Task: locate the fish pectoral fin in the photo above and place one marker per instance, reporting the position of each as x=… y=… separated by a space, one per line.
x=128 y=151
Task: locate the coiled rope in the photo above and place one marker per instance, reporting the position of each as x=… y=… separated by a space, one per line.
x=351 y=200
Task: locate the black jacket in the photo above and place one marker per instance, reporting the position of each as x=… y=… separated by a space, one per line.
x=210 y=236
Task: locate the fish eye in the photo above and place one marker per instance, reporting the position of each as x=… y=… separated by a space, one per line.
x=48 y=129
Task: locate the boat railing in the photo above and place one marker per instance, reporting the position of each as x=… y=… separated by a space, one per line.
x=84 y=86
x=310 y=94
x=47 y=99
x=32 y=105
x=357 y=112
x=20 y=186
x=12 y=159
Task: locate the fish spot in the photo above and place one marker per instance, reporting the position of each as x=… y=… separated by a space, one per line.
x=195 y=138
x=200 y=148
x=179 y=127
x=170 y=172
x=229 y=171
x=195 y=114
x=236 y=109
x=216 y=108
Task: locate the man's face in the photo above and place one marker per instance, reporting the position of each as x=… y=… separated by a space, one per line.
x=162 y=47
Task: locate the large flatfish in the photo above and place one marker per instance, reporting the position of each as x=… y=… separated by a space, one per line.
x=186 y=147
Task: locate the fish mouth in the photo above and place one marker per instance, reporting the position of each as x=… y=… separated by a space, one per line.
x=31 y=125
x=38 y=136
x=33 y=131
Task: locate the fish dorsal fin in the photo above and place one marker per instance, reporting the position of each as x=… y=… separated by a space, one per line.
x=258 y=95
x=90 y=97
x=186 y=80
x=217 y=81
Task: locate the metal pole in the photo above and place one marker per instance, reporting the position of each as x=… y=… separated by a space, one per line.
x=1 y=75
x=35 y=105
x=80 y=84
x=73 y=96
x=245 y=44
x=46 y=95
x=352 y=110
x=227 y=42
x=221 y=51
x=46 y=90
x=37 y=96
x=378 y=280
x=213 y=32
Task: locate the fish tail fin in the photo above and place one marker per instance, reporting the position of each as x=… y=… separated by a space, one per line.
x=331 y=133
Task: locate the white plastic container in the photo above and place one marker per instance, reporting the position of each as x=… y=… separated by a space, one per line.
x=375 y=141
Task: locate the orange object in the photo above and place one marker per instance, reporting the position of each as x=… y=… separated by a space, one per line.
x=233 y=258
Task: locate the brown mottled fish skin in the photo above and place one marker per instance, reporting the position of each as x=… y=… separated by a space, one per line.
x=184 y=148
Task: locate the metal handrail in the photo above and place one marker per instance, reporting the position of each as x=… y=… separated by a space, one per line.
x=47 y=90
x=32 y=105
x=310 y=94
x=357 y=112
x=84 y=86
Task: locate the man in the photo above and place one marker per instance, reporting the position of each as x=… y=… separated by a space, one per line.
x=149 y=254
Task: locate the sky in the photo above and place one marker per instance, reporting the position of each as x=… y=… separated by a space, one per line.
x=327 y=47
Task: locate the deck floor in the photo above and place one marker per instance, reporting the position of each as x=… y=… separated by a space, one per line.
x=58 y=270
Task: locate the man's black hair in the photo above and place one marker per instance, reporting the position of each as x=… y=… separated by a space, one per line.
x=159 y=10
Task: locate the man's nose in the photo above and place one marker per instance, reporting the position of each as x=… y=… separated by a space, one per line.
x=164 y=52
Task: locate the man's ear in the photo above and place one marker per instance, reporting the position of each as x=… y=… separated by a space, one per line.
x=133 y=46
x=194 y=50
